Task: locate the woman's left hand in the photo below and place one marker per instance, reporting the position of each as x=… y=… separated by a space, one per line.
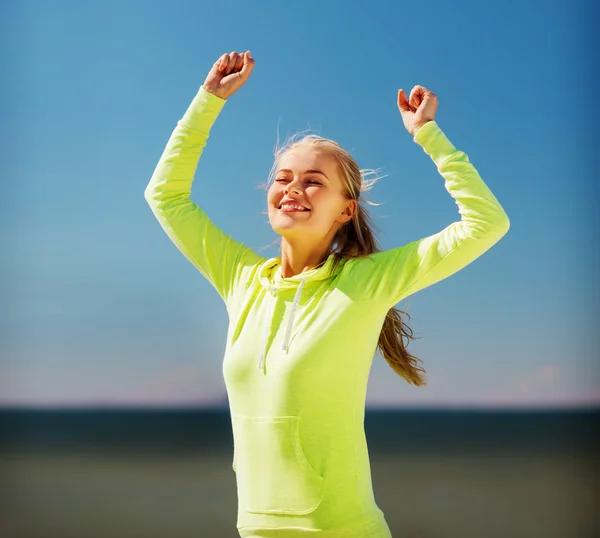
x=418 y=109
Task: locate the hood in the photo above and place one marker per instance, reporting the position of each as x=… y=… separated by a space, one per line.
x=269 y=274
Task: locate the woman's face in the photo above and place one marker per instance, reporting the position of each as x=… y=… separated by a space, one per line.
x=310 y=177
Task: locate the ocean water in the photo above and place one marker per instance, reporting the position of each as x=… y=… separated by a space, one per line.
x=167 y=473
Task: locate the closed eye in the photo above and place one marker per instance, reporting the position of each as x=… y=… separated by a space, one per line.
x=312 y=181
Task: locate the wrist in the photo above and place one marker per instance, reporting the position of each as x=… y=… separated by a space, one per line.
x=215 y=92
x=417 y=127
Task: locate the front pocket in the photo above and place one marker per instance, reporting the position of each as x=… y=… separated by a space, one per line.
x=273 y=473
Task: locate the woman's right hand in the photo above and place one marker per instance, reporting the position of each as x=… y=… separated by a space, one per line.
x=228 y=74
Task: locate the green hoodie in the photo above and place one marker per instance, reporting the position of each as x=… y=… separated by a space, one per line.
x=299 y=349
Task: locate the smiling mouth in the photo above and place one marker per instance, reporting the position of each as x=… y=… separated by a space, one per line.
x=292 y=210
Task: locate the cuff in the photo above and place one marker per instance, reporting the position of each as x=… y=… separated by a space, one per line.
x=433 y=141
x=205 y=107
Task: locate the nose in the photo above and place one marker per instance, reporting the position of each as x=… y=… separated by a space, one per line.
x=292 y=187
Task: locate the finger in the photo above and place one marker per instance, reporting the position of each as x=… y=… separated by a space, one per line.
x=416 y=96
x=248 y=65
x=428 y=99
x=239 y=63
x=233 y=56
x=402 y=102
x=223 y=61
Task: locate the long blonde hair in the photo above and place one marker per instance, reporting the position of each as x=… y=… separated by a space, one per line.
x=355 y=239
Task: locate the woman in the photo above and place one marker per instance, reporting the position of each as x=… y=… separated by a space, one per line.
x=304 y=326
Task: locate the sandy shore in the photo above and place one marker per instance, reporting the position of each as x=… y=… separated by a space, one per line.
x=50 y=495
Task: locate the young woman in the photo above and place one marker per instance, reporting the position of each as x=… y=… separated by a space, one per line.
x=304 y=326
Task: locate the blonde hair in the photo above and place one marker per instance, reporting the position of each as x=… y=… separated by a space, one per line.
x=355 y=239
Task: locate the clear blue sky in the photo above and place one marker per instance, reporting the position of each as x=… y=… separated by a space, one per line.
x=100 y=307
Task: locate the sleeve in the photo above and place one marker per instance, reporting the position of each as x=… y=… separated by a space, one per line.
x=216 y=255
x=389 y=276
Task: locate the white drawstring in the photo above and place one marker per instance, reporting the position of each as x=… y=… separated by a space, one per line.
x=290 y=324
x=288 y=332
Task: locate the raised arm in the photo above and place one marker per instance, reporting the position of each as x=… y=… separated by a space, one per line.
x=214 y=253
x=391 y=275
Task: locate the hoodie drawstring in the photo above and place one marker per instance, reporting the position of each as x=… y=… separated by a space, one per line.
x=290 y=325
x=288 y=332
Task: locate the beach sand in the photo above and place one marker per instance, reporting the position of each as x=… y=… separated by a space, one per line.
x=112 y=495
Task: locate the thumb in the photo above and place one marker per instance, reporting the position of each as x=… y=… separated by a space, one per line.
x=403 y=102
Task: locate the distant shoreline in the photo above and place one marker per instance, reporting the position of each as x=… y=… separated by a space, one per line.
x=179 y=431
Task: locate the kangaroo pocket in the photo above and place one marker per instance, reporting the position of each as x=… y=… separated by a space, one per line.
x=272 y=472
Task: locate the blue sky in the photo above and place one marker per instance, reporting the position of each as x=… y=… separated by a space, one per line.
x=103 y=310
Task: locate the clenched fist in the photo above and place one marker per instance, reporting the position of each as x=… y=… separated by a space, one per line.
x=228 y=74
x=418 y=109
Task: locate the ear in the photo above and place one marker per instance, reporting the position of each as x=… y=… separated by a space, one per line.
x=349 y=210
x=352 y=207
